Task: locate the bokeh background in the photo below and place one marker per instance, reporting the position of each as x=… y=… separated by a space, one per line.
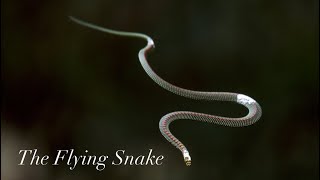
x=66 y=86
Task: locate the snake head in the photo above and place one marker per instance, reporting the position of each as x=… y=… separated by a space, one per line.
x=187 y=158
x=187 y=161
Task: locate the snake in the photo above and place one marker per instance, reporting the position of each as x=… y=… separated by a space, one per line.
x=254 y=109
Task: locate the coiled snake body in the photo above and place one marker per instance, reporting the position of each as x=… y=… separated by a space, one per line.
x=254 y=108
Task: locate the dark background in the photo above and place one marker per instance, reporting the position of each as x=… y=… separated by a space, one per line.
x=66 y=86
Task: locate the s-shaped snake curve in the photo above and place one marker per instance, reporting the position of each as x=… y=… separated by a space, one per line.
x=254 y=108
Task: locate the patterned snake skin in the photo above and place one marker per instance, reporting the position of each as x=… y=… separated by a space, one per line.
x=254 y=108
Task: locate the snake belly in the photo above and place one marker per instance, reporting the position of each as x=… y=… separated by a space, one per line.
x=254 y=108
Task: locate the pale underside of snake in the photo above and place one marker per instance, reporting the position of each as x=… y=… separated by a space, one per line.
x=254 y=108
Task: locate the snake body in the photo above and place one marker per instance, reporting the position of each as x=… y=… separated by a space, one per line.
x=254 y=108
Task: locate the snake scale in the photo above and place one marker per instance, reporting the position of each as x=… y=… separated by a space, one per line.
x=254 y=108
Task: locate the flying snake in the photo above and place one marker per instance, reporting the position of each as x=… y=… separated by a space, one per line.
x=254 y=108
